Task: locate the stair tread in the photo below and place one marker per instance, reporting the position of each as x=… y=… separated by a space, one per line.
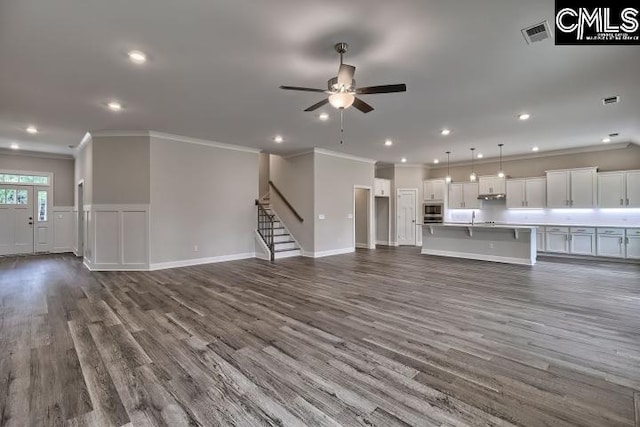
x=283 y=242
x=287 y=250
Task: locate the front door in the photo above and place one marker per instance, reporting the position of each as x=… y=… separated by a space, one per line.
x=16 y=219
x=406 y=223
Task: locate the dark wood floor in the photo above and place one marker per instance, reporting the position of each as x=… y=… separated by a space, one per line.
x=385 y=338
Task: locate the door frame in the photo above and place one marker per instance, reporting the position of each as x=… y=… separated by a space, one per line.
x=371 y=244
x=34 y=197
x=416 y=237
x=80 y=237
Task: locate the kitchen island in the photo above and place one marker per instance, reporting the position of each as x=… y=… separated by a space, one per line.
x=510 y=244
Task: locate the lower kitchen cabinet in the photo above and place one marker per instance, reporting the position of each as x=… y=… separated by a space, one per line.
x=611 y=242
x=582 y=241
x=633 y=243
x=557 y=239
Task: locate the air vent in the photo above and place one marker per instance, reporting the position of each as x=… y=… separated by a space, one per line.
x=613 y=135
x=537 y=32
x=611 y=100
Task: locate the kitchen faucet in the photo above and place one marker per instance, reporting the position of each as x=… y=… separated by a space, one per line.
x=473 y=217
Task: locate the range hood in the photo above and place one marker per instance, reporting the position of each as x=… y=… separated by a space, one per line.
x=497 y=196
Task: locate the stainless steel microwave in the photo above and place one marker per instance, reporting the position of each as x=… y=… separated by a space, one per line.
x=433 y=209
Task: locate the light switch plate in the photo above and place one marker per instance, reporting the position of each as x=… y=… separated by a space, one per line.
x=350 y=216
x=321 y=216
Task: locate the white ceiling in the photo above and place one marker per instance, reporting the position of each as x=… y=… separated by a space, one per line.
x=215 y=68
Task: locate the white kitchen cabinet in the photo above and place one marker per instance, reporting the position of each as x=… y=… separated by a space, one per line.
x=611 y=242
x=382 y=187
x=633 y=243
x=434 y=190
x=574 y=188
x=529 y=193
x=463 y=196
x=557 y=239
x=491 y=185
x=619 y=189
x=540 y=246
x=582 y=241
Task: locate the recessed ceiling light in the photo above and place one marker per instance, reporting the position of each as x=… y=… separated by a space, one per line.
x=14 y=146
x=534 y=149
x=403 y=160
x=324 y=116
x=606 y=140
x=137 y=57
x=445 y=132
x=524 y=116
x=32 y=129
x=278 y=139
x=436 y=161
x=480 y=155
x=114 y=106
x=388 y=143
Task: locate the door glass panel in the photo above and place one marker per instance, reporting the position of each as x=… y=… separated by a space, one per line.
x=22 y=197
x=41 y=180
x=11 y=178
x=26 y=179
x=1 y=177
x=3 y=196
x=11 y=197
x=42 y=206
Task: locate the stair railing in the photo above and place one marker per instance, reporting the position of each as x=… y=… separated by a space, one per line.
x=265 y=228
x=286 y=202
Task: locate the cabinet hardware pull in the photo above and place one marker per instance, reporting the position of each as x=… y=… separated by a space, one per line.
x=627 y=201
x=621 y=202
x=620 y=240
x=626 y=240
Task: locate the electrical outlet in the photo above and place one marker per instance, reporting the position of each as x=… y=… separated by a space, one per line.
x=490 y=245
x=321 y=216
x=350 y=216
x=195 y=248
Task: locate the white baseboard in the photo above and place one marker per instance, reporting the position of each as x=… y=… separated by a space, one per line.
x=480 y=257
x=362 y=245
x=394 y=244
x=382 y=242
x=199 y=261
x=62 y=250
x=328 y=253
x=114 y=267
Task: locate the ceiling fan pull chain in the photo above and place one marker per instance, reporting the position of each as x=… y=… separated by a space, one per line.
x=342 y=126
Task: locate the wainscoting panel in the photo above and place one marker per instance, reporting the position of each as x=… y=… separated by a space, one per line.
x=64 y=223
x=119 y=237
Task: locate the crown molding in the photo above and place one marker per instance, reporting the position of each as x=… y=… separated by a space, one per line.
x=205 y=142
x=343 y=156
x=301 y=153
x=410 y=165
x=119 y=133
x=538 y=155
x=38 y=154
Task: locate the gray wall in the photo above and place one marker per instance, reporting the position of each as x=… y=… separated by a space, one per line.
x=263 y=171
x=609 y=160
x=121 y=170
x=362 y=216
x=84 y=171
x=335 y=178
x=201 y=196
x=382 y=217
x=294 y=177
x=61 y=167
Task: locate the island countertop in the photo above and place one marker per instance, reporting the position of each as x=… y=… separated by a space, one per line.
x=481 y=225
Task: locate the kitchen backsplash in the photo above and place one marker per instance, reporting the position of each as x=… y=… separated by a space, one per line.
x=497 y=211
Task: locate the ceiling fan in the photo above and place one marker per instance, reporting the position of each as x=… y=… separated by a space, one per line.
x=342 y=89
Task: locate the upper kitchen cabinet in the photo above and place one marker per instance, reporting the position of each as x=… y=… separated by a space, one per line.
x=528 y=193
x=574 y=188
x=464 y=196
x=382 y=187
x=492 y=185
x=434 y=190
x=619 y=189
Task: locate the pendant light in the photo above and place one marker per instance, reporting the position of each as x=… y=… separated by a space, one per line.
x=448 y=177
x=473 y=176
x=501 y=171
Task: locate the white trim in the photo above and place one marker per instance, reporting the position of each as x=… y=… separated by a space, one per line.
x=343 y=155
x=328 y=253
x=37 y=154
x=208 y=143
x=480 y=257
x=371 y=235
x=362 y=246
x=288 y=254
x=382 y=242
x=49 y=176
x=85 y=140
x=117 y=133
x=410 y=165
x=111 y=267
x=264 y=252
x=301 y=153
x=200 y=261
x=537 y=155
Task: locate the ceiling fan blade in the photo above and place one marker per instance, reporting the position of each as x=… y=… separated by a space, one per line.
x=382 y=89
x=317 y=105
x=345 y=75
x=362 y=106
x=303 y=89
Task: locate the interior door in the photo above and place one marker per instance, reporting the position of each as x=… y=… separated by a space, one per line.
x=406 y=223
x=16 y=219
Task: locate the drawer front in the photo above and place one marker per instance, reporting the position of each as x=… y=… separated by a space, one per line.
x=557 y=229
x=583 y=230
x=611 y=231
x=633 y=231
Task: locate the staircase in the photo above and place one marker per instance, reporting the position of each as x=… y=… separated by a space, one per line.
x=275 y=235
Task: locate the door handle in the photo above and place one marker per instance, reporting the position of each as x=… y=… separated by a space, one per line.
x=30 y=223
